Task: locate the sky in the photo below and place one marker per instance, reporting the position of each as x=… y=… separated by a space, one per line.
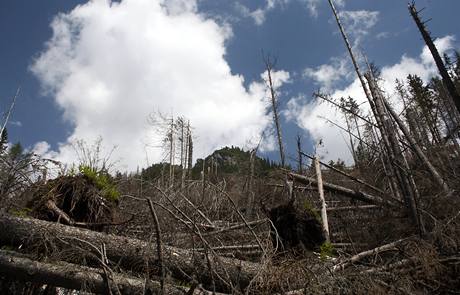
x=90 y=69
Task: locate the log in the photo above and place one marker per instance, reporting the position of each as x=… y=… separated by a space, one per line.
x=130 y=253
x=319 y=179
x=360 y=256
x=357 y=195
x=351 y=208
x=376 y=189
x=72 y=276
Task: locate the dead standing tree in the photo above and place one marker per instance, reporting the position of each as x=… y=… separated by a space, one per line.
x=269 y=66
x=177 y=142
x=400 y=180
x=437 y=58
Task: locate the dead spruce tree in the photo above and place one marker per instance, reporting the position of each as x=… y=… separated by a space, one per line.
x=400 y=180
x=176 y=142
x=437 y=58
x=269 y=66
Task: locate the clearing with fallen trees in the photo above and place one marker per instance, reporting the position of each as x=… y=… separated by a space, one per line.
x=235 y=223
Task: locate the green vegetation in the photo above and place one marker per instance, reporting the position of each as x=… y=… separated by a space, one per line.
x=326 y=250
x=311 y=210
x=24 y=212
x=234 y=160
x=102 y=180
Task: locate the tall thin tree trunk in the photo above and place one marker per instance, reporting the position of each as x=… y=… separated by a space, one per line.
x=392 y=173
x=397 y=157
x=190 y=151
x=437 y=58
x=171 y=154
x=7 y=116
x=352 y=145
x=323 y=201
x=269 y=68
x=418 y=151
x=299 y=155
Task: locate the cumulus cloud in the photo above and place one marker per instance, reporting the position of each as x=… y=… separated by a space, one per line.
x=309 y=114
x=358 y=22
x=259 y=14
x=109 y=65
x=41 y=148
x=327 y=75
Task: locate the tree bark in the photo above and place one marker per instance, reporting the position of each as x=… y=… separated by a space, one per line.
x=323 y=201
x=72 y=276
x=418 y=151
x=398 y=159
x=437 y=58
x=353 y=194
x=269 y=68
x=130 y=253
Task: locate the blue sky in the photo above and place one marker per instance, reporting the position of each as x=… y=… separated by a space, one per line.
x=84 y=77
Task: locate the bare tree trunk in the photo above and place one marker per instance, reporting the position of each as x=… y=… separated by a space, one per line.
x=190 y=150
x=130 y=253
x=269 y=69
x=7 y=117
x=397 y=157
x=437 y=58
x=171 y=154
x=352 y=56
x=346 y=192
x=438 y=178
x=323 y=201
x=252 y=157
x=203 y=178
x=352 y=145
x=73 y=276
x=376 y=189
x=392 y=173
x=184 y=166
x=299 y=155
x=415 y=128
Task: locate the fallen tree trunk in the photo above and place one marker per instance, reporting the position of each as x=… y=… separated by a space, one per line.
x=131 y=254
x=357 y=195
x=351 y=208
x=72 y=276
x=360 y=256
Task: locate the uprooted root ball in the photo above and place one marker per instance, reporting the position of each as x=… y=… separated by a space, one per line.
x=75 y=200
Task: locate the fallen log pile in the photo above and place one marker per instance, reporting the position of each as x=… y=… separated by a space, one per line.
x=71 y=258
x=131 y=254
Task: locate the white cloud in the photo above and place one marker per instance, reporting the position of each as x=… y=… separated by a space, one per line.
x=312 y=5
x=176 y=7
x=259 y=14
x=443 y=45
x=382 y=35
x=327 y=75
x=41 y=148
x=358 y=23
x=109 y=64
x=308 y=114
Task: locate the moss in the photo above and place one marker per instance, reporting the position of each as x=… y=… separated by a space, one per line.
x=326 y=250
x=21 y=212
x=103 y=181
x=311 y=210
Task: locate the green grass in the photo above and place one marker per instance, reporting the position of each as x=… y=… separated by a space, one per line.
x=103 y=181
